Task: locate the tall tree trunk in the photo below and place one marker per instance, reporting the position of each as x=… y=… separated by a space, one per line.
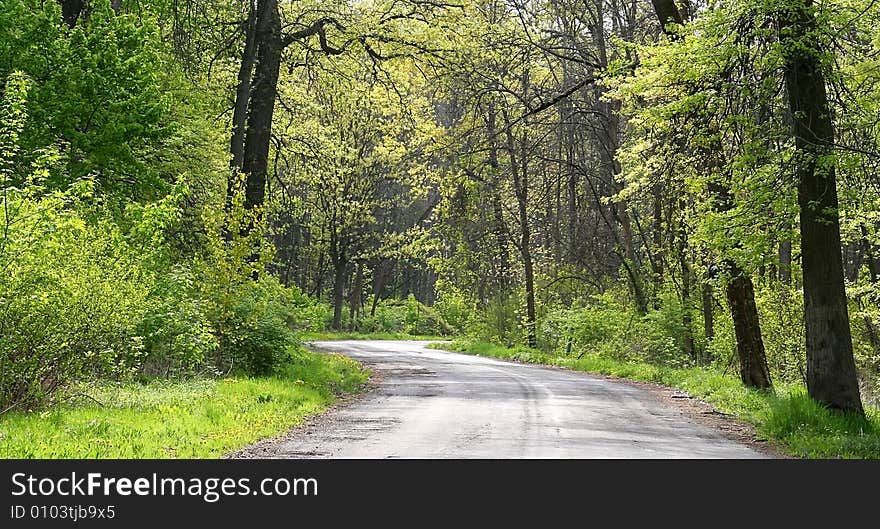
x=240 y=113
x=686 y=274
x=831 y=370
x=657 y=232
x=70 y=11
x=258 y=135
x=785 y=261
x=380 y=278
x=242 y=94
x=667 y=13
x=708 y=315
x=498 y=227
x=338 y=294
x=354 y=300
x=609 y=129
x=749 y=343
x=519 y=171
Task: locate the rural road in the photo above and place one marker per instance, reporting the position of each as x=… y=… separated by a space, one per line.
x=437 y=404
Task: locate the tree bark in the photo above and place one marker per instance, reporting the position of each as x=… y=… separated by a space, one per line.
x=262 y=102
x=498 y=227
x=831 y=371
x=708 y=315
x=338 y=295
x=242 y=94
x=519 y=171
x=667 y=13
x=339 y=259
x=70 y=11
x=609 y=130
x=686 y=274
x=354 y=299
x=785 y=261
x=749 y=343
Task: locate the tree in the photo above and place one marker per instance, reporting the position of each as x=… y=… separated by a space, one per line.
x=831 y=372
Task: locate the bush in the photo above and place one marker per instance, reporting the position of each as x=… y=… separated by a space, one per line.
x=497 y=320
x=178 y=338
x=408 y=316
x=454 y=308
x=611 y=328
x=71 y=292
x=252 y=320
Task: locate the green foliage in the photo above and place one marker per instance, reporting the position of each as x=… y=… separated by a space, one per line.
x=71 y=288
x=610 y=326
x=101 y=93
x=404 y=317
x=496 y=320
x=454 y=307
x=193 y=418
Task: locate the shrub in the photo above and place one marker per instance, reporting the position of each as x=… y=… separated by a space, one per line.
x=404 y=316
x=70 y=293
x=178 y=337
x=251 y=319
x=454 y=308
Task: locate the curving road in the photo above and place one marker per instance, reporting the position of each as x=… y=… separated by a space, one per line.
x=437 y=404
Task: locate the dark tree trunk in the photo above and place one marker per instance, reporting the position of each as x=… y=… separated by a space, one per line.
x=380 y=279
x=70 y=11
x=319 y=275
x=242 y=94
x=831 y=370
x=531 y=316
x=338 y=295
x=740 y=291
x=708 y=313
x=686 y=274
x=608 y=143
x=743 y=310
x=519 y=171
x=667 y=13
x=262 y=102
x=657 y=232
x=785 y=261
x=354 y=300
x=240 y=113
x=749 y=343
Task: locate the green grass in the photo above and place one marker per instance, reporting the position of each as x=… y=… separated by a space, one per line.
x=788 y=418
x=321 y=336
x=200 y=418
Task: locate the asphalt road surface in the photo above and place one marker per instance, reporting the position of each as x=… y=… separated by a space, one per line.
x=437 y=404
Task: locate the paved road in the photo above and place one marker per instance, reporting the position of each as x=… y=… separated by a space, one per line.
x=436 y=404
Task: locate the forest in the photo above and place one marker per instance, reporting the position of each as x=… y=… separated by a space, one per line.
x=191 y=188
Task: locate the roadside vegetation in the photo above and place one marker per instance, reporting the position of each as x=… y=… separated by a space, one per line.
x=190 y=418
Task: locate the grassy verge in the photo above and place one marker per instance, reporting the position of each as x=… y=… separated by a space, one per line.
x=788 y=418
x=188 y=419
x=320 y=336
